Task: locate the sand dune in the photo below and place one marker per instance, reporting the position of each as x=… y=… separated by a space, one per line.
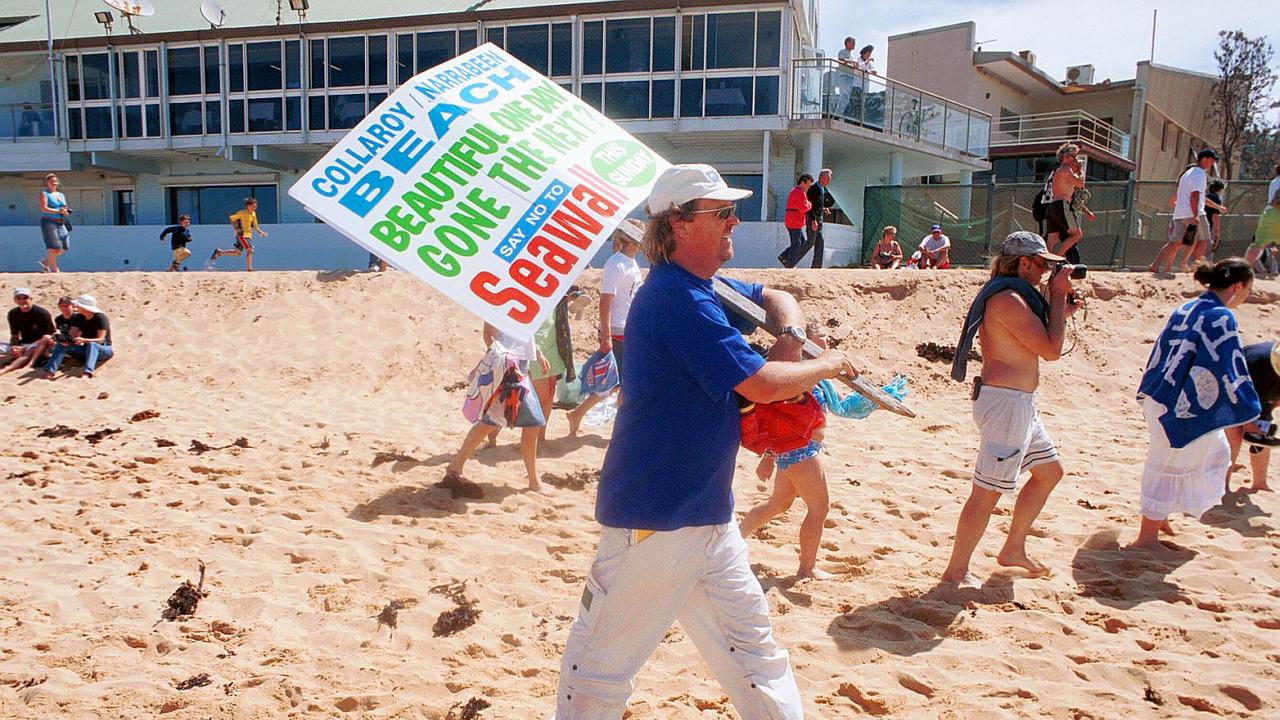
x=340 y=384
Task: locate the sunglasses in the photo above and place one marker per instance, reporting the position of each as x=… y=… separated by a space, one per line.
x=724 y=213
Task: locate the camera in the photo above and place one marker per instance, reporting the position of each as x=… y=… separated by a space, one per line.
x=60 y=337
x=1078 y=272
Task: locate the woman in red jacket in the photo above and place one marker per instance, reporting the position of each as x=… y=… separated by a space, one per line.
x=798 y=206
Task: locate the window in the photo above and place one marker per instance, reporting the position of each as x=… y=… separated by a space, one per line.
x=627 y=45
x=767 y=95
x=627 y=100
x=435 y=48
x=728 y=96
x=467 y=41
x=664 y=44
x=561 y=49
x=235 y=116
x=96 y=76
x=496 y=36
x=293 y=65
x=124 y=207
x=185 y=118
x=265 y=115
x=691 y=97
x=152 y=115
x=345 y=111
x=131 y=120
x=725 y=40
x=378 y=60
x=317 y=64
x=184 y=71
x=75 y=124
x=129 y=79
x=592 y=48
x=73 y=77
x=315 y=112
x=768 y=39
x=262 y=60
x=346 y=62
x=235 y=68
x=404 y=58
x=97 y=122
x=529 y=43
x=293 y=113
x=213 y=117
x=213 y=205
x=153 y=73
x=590 y=94
x=212 y=58
x=692 y=33
x=663 y=99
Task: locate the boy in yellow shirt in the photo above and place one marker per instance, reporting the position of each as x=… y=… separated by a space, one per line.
x=244 y=223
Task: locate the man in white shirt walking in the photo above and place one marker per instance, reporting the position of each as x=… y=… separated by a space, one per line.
x=618 y=285
x=1188 y=211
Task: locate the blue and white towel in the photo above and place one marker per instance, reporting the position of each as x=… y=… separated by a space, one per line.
x=1197 y=372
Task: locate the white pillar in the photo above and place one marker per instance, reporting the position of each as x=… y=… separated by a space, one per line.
x=814 y=160
x=966 y=193
x=895 y=168
x=764 y=179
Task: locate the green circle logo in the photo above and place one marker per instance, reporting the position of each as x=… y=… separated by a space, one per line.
x=624 y=163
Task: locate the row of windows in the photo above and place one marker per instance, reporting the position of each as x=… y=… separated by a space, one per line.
x=1036 y=169
x=699 y=97
x=212 y=205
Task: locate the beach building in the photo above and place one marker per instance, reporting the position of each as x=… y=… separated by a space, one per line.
x=1147 y=127
x=176 y=112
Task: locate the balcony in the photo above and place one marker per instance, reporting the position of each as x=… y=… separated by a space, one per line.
x=826 y=88
x=1044 y=132
x=20 y=121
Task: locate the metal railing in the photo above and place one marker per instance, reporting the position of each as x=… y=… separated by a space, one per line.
x=1075 y=126
x=25 y=120
x=827 y=88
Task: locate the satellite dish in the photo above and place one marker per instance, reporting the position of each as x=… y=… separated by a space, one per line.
x=131 y=8
x=213 y=12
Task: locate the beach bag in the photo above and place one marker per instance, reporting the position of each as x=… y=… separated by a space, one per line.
x=599 y=373
x=1040 y=204
x=499 y=392
x=568 y=394
x=779 y=427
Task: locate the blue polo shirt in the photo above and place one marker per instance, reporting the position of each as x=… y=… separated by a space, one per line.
x=671 y=460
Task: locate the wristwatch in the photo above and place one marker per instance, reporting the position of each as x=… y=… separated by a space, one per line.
x=795 y=332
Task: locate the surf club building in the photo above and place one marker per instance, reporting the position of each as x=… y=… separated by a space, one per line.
x=190 y=107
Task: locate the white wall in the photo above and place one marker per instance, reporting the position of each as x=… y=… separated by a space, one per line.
x=97 y=248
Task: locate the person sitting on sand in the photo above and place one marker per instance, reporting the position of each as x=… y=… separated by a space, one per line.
x=935 y=250
x=243 y=222
x=29 y=325
x=1195 y=386
x=530 y=426
x=888 y=253
x=799 y=469
x=619 y=281
x=1263 y=361
x=1017 y=328
x=93 y=345
x=669 y=548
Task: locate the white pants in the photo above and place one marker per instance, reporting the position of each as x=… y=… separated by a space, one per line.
x=637 y=587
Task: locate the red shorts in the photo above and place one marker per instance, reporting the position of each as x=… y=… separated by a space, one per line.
x=243 y=243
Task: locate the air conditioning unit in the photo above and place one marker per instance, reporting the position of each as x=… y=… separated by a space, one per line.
x=1080 y=75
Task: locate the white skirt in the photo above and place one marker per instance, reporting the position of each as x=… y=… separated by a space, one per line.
x=1190 y=479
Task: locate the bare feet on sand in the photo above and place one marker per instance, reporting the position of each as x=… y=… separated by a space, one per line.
x=815 y=574
x=1019 y=559
x=967 y=580
x=1166 y=528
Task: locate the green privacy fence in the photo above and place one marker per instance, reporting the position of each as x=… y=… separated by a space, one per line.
x=1131 y=225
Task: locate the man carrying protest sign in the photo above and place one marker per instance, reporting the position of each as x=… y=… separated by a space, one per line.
x=670 y=548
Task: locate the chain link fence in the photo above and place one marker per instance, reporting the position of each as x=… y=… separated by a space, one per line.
x=1132 y=218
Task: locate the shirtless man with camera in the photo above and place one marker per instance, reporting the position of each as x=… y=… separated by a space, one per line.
x=1017 y=328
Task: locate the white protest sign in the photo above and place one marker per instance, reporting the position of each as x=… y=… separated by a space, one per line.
x=485 y=180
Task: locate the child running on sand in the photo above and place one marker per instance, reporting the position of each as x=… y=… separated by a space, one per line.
x=244 y=223
x=799 y=470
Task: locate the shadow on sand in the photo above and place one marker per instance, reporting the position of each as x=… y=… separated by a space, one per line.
x=1124 y=578
x=416 y=501
x=1235 y=513
x=912 y=624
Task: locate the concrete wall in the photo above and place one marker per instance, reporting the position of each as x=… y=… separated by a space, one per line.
x=320 y=247
x=1177 y=109
x=940 y=61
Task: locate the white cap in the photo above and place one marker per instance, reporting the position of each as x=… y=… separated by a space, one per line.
x=631 y=230
x=88 y=302
x=22 y=291
x=680 y=184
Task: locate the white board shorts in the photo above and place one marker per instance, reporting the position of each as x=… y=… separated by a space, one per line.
x=1013 y=438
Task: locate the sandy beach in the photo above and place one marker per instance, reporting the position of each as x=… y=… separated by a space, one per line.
x=346 y=390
